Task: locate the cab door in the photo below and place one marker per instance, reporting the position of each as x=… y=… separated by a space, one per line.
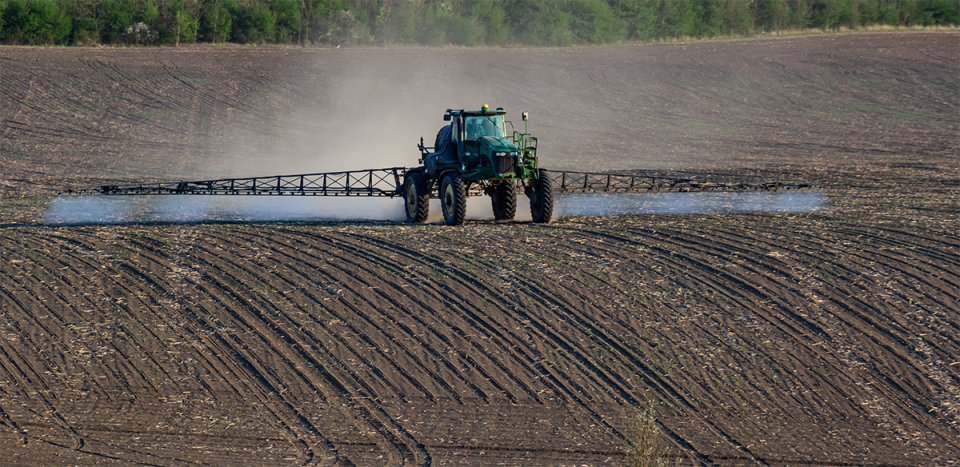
x=471 y=143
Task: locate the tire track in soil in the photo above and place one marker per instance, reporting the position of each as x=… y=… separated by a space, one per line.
x=667 y=390
x=148 y=89
x=902 y=266
x=126 y=308
x=921 y=275
x=80 y=443
x=900 y=386
x=72 y=126
x=274 y=82
x=409 y=333
x=259 y=383
x=914 y=414
x=491 y=329
x=368 y=251
x=126 y=361
x=31 y=87
x=208 y=97
x=199 y=335
x=391 y=430
x=614 y=343
x=26 y=368
x=62 y=243
x=896 y=334
x=516 y=343
x=249 y=357
x=493 y=332
x=428 y=326
x=333 y=336
x=554 y=383
x=103 y=69
x=678 y=265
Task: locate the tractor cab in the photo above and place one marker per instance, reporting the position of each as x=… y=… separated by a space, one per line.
x=478 y=126
x=477 y=144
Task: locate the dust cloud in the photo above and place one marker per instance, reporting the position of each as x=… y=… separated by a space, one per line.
x=368 y=111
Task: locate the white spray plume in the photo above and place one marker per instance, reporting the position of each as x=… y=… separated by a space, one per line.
x=689 y=203
x=188 y=208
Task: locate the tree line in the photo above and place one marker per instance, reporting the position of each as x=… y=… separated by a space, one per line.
x=441 y=22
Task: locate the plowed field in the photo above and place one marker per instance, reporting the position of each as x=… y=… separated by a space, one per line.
x=819 y=338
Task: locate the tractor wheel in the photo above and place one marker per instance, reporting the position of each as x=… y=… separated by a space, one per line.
x=504 y=199
x=416 y=197
x=453 y=199
x=540 y=193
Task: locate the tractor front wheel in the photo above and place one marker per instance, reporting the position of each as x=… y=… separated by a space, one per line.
x=453 y=199
x=540 y=193
x=504 y=200
x=416 y=197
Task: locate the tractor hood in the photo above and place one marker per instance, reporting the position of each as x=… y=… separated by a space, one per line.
x=496 y=144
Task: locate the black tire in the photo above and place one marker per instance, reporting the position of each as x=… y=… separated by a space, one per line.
x=504 y=200
x=540 y=193
x=416 y=197
x=453 y=199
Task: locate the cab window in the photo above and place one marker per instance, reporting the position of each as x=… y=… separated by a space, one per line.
x=484 y=125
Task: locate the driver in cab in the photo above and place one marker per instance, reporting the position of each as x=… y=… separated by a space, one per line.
x=484 y=128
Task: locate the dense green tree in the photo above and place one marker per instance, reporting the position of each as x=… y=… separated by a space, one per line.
x=257 y=24
x=184 y=28
x=678 y=18
x=438 y=22
x=726 y=18
x=539 y=22
x=34 y=22
x=289 y=21
x=831 y=14
x=944 y=12
x=594 y=22
x=117 y=17
x=490 y=15
x=217 y=21
x=147 y=13
x=640 y=17
x=3 y=8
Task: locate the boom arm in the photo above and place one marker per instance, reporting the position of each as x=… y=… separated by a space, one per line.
x=389 y=183
x=373 y=182
x=567 y=183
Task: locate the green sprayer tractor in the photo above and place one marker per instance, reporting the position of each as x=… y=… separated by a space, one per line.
x=473 y=155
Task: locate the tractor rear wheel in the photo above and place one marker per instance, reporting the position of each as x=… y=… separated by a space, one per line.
x=504 y=200
x=453 y=199
x=416 y=197
x=540 y=193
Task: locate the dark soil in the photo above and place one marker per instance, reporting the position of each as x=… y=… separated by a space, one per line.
x=826 y=338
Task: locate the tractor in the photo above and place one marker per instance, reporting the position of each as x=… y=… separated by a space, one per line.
x=474 y=155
